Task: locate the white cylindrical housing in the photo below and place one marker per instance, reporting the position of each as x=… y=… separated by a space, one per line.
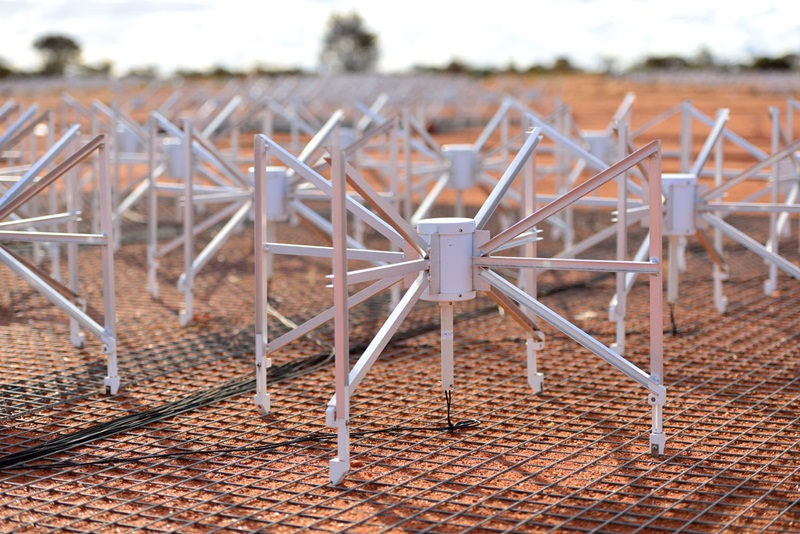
x=450 y=258
x=127 y=140
x=463 y=165
x=599 y=144
x=173 y=149
x=347 y=136
x=680 y=192
x=276 y=193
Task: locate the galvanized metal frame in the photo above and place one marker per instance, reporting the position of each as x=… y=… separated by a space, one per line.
x=19 y=228
x=222 y=183
x=428 y=170
x=710 y=209
x=576 y=151
x=265 y=150
x=416 y=268
x=23 y=136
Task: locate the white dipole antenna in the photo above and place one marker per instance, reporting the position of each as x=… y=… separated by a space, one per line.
x=189 y=166
x=450 y=259
x=340 y=465
x=783 y=175
x=466 y=166
x=265 y=151
x=16 y=228
x=129 y=142
x=455 y=167
x=688 y=210
x=23 y=136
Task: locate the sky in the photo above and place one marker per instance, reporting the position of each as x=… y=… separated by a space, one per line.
x=240 y=34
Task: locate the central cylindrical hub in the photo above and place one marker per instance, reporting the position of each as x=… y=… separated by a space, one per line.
x=173 y=149
x=463 y=165
x=450 y=246
x=127 y=141
x=599 y=144
x=680 y=194
x=276 y=193
x=347 y=136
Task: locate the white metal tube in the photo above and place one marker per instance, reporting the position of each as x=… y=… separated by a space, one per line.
x=44 y=220
x=656 y=308
x=774 y=238
x=711 y=141
x=152 y=210
x=218 y=240
x=374 y=273
x=447 y=342
x=567 y=328
x=384 y=256
x=54 y=237
x=622 y=244
x=54 y=296
x=427 y=203
x=672 y=268
x=384 y=208
x=12 y=130
x=328 y=314
x=107 y=255
x=570 y=197
x=341 y=464
x=18 y=187
x=562 y=264
x=187 y=313
x=720 y=301
x=529 y=277
x=261 y=398
x=752 y=245
x=504 y=184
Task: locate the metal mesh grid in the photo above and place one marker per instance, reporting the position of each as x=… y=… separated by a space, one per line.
x=571 y=459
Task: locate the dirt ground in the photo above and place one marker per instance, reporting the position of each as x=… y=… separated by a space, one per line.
x=573 y=458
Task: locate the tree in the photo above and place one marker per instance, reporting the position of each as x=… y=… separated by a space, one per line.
x=784 y=63
x=669 y=62
x=5 y=69
x=58 y=51
x=704 y=59
x=562 y=64
x=348 y=46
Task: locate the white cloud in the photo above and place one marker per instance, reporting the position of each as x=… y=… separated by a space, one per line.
x=239 y=33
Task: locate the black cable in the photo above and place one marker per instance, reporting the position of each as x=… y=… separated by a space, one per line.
x=672 y=319
x=448 y=397
x=286 y=371
x=188 y=403
x=314 y=437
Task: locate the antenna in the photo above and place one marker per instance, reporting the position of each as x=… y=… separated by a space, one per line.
x=446 y=260
x=691 y=207
x=60 y=228
x=189 y=167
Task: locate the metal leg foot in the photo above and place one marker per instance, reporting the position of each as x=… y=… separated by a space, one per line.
x=657 y=443
x=261 y=401
x=338 y=470
x=111 y=385
x=78 y=340
x=185 y=317
x=769 y=287
x=536 y=381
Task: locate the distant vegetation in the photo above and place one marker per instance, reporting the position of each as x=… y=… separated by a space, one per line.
x=348 y=46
